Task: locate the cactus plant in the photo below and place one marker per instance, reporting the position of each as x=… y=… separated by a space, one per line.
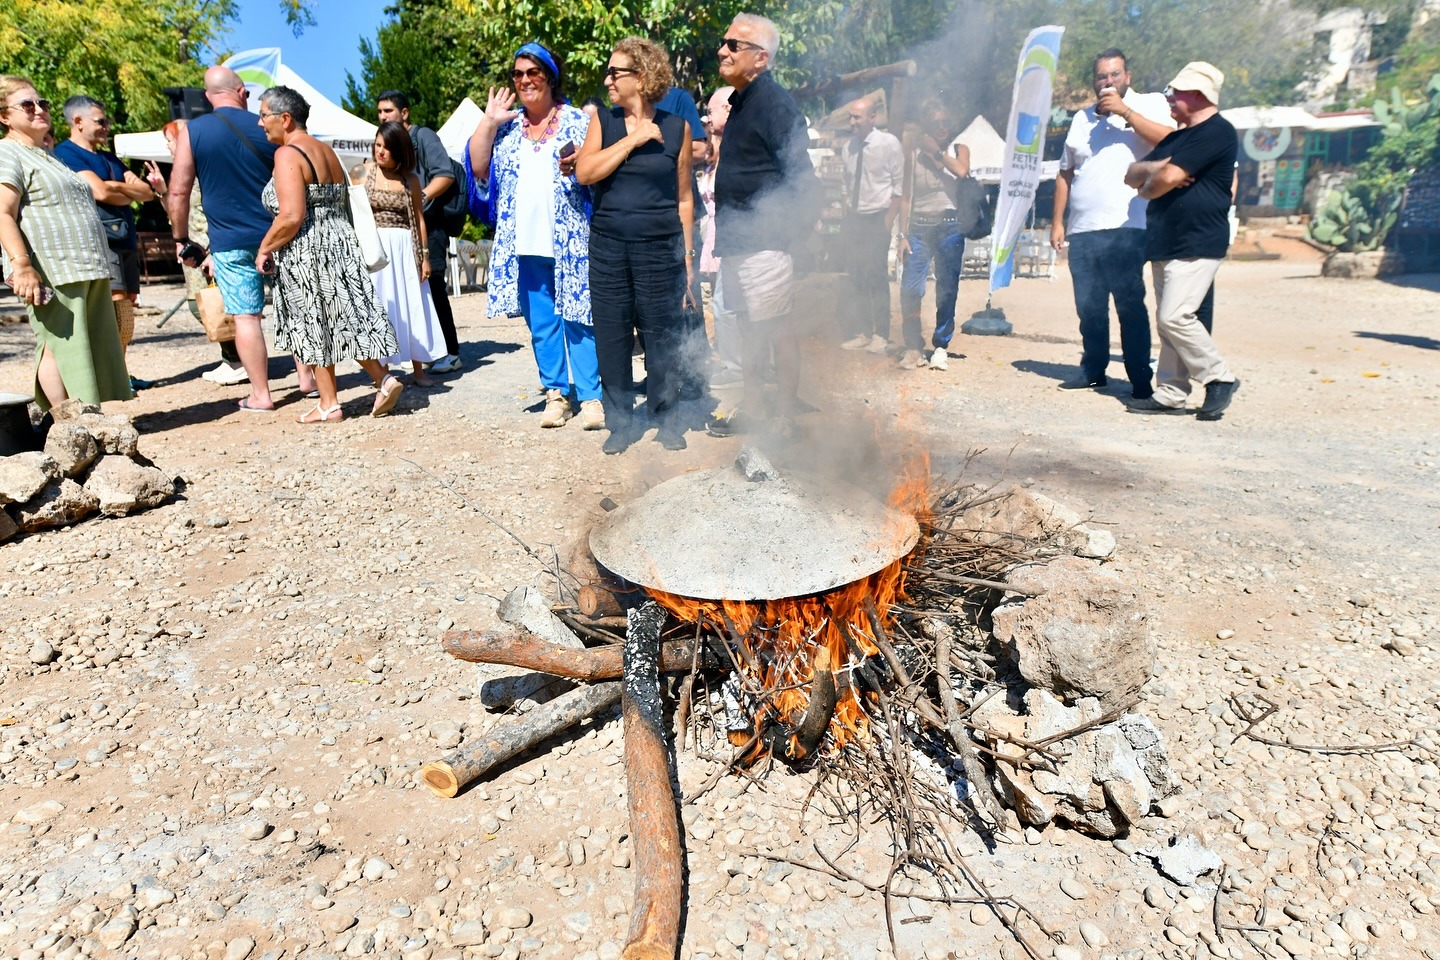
x=1347 y=223
x=1359 y=218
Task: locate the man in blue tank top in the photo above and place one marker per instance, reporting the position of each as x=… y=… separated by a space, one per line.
x=226 y=151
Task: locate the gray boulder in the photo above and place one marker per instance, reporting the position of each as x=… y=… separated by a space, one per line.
x=1086 y=635
x=72 y=446
x=58 y=505
x=113 y=431
x=120 y=485
x=23 y=475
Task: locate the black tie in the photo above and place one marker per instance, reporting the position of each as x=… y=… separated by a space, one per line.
x=859 y=168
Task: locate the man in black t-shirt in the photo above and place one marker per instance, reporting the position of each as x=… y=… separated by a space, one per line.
x=1187 y=178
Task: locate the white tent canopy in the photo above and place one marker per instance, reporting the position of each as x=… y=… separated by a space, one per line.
x=456 y=131
x=1249 y=118
x=987 y=149
x=350 y=136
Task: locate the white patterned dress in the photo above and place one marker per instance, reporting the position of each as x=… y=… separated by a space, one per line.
x=326 y=309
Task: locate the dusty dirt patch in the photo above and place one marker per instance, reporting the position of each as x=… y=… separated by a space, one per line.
x=249 y=678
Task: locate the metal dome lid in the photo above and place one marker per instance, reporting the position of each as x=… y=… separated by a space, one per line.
x=721 y=535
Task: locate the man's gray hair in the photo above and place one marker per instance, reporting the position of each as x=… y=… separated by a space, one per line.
x=286 y=100
x=79 y=104
x=765 y=31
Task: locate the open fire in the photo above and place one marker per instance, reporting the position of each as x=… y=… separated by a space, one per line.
x=845 y=635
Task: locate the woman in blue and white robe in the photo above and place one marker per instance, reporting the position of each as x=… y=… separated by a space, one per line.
x=520 y=175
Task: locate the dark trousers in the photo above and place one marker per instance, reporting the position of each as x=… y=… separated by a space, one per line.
x=637 y=285
x=867 y=243
x=441 y=298
x=1105 y=264
x=1205 y=313
x=945 y=245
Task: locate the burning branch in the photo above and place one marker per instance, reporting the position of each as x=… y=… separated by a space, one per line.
x=654 y=819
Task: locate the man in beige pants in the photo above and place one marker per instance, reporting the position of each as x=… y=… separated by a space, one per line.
x=1187 y=178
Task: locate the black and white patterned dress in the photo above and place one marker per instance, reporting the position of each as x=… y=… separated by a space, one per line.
x=326 y=309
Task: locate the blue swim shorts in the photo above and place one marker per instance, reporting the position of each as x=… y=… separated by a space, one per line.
x=241 y=285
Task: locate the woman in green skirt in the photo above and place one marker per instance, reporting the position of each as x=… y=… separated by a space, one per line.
x=56 y=259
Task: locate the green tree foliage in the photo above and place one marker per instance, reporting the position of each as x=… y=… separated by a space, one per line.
x=121 y=52
x=443 y=50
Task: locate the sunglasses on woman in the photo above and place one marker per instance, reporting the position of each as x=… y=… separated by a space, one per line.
x=615 y=73
x=534 y=73
x=30 y=106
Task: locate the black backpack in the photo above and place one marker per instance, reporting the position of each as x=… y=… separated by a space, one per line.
x=972 y=209
x=446 y=212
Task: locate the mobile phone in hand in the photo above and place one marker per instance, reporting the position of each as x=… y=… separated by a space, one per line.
x=567 y=148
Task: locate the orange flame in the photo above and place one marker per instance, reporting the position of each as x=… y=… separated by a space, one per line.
x=780 y=642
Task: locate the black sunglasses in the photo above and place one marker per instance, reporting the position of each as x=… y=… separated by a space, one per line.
x=30 y=106
x=534 y=73
x=735 y=45
x=615 y=73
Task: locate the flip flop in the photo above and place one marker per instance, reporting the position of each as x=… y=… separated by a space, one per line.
x=245 y=406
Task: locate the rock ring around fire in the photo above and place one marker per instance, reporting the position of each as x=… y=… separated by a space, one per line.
x=714 y=535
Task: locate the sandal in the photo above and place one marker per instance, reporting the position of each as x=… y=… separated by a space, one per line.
x=319 y=414
x=385 y=400
x=245 y=407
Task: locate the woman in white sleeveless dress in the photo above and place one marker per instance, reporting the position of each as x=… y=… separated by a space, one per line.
x=394 y=191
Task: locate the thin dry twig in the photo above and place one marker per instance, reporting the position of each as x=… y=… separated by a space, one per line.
x=1254 y=717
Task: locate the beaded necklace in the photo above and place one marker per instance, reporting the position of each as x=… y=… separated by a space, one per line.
x=551 y=125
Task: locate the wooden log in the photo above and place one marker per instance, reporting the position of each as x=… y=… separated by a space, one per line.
x=525 y=650
x=594 y=601
x=654 y=817
x=511 y=735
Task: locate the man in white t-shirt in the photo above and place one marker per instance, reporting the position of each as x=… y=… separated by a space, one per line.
x=1107 y=221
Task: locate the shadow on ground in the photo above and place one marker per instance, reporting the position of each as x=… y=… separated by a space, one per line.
x=1404 y=339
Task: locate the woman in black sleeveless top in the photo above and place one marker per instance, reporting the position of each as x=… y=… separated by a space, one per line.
x=641 y=246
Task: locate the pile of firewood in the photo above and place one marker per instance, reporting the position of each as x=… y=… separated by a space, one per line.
x=915 y=663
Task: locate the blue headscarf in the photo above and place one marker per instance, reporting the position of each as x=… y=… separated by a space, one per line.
x=533 y=51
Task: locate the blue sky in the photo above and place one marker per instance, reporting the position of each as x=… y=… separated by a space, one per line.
x=324 y=52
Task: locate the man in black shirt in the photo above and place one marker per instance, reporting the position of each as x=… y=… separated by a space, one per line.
x=764 y=190
x=1187 y=178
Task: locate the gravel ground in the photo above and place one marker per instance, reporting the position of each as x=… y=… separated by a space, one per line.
x=214 y=712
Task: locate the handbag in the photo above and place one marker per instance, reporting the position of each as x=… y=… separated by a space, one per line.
x=219 y=325
x=972 y=209
x=372 y=251
x=118 y=232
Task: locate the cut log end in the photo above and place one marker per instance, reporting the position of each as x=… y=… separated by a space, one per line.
x=440 y=777
x=596 y=602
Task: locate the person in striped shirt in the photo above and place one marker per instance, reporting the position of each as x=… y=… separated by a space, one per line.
x=56 y=259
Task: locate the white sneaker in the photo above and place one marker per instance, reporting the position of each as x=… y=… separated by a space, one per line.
x=939 y=360
x=911 y=359
x=226 y=375
x=878 y=344
x=447 y=364
x=856 y=343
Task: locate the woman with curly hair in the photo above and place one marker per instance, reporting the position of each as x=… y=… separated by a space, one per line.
x=642 y=252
